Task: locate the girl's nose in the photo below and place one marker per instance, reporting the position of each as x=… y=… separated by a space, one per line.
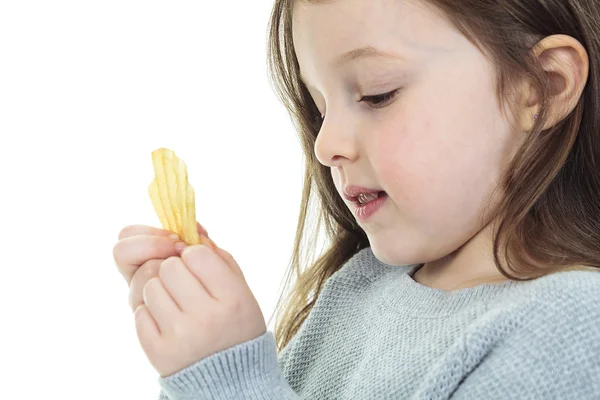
x=336 y=143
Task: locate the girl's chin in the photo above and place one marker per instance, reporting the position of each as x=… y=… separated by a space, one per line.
x=388 y=254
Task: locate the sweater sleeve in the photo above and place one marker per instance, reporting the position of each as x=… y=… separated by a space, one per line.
x=248 y=371
x=553 y=354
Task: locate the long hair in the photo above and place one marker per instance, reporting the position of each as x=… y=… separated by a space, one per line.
x=550 y=211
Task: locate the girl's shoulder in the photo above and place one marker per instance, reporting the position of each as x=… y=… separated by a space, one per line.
x=577 y=284
x=549 y=300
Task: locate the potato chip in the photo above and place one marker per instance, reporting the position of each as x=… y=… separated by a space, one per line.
x=155 y=197
x=173 y=197
x=163 y=189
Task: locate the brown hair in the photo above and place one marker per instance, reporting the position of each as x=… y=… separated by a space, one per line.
x=550 y=211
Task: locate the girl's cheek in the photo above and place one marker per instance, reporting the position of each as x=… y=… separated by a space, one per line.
x=335 y=175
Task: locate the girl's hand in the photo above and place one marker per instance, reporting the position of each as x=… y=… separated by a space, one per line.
x=198 y=305
x=140 y=251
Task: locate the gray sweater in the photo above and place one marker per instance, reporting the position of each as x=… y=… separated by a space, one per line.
x=375 y=333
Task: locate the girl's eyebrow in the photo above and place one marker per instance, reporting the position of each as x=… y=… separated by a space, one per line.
x=365 y=52
x=360 y=53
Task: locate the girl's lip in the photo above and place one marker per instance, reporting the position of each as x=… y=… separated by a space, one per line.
x=351 y=193
x=363 y=212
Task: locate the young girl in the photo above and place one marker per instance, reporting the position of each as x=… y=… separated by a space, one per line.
x=454 y=150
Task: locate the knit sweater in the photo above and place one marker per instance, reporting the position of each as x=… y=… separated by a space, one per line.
x=376 y=333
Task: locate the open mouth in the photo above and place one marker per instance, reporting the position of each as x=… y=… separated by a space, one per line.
x=363 y=198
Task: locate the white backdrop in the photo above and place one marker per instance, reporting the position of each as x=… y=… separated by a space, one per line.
x=87 y=91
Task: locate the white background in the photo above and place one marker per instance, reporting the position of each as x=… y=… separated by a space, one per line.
x=88 y=89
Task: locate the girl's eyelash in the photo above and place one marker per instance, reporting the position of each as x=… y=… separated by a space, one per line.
x=385 y=97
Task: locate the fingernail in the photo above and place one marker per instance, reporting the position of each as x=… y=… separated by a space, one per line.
x=174 y=236
x=180 y=246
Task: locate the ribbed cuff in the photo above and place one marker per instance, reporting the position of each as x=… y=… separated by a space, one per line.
x=249 y=370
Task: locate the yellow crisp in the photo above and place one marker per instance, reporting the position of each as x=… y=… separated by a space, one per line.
x=173 y=197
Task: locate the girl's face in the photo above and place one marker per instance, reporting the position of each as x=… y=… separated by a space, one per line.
x=436 y=145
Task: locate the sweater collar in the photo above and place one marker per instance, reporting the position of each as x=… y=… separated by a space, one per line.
x=401 y=293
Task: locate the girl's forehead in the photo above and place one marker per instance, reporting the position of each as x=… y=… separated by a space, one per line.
x=394 y=21
x=344 y=30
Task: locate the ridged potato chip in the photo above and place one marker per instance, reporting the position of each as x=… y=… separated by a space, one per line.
x=173 y=197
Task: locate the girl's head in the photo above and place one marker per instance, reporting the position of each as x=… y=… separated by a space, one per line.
x=423 y=123
x=443 y=122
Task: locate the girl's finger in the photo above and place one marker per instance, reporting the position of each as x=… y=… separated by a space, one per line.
x=161 y=305
x=201 y=230
x=147 y=329
x=228 y=258
x=187 y=291
x=212 y=271
x=145 y=272
x=133 y=251
x=133 y=230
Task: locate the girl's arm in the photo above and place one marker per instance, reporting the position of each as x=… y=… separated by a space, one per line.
x=248 y=371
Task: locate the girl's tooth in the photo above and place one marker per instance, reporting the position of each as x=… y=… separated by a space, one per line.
x=365 y=198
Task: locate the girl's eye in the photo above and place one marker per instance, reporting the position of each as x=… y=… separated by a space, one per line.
x=378 y=100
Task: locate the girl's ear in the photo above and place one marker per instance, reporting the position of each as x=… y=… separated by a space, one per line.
x=566 y=63
x=529 y=107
